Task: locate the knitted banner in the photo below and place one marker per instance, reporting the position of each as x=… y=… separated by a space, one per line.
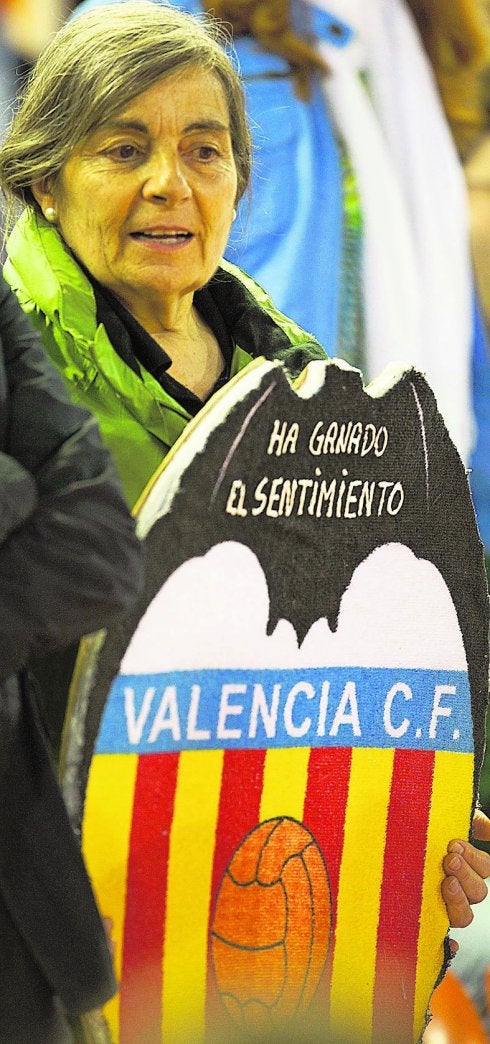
x=277 y=746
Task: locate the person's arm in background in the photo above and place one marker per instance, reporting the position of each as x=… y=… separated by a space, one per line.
x=69 y=556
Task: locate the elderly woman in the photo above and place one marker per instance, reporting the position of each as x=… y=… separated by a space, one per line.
x=129 y=153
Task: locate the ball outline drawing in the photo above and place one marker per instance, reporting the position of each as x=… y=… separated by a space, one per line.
x=271 y=926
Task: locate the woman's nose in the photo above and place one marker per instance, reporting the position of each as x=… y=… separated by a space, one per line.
x=166 y=179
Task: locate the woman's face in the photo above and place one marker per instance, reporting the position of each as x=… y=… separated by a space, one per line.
x=146 y=201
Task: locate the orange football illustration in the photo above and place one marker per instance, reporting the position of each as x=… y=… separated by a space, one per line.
x=271 y=925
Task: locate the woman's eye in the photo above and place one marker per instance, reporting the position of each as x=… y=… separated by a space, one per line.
x=206 y=152
x=124 y=152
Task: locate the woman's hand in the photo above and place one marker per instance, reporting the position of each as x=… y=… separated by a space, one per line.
x=466 y=868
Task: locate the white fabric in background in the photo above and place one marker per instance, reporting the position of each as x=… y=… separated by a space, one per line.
x=417 y=268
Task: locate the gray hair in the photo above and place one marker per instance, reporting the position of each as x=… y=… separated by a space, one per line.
x=96 y=64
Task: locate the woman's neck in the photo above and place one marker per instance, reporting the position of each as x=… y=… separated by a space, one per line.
x=178 y=328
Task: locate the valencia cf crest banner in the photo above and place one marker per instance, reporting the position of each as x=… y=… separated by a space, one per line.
x=268 y=758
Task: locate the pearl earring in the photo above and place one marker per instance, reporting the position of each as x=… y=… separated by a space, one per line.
x=50 y=215
x=233 y=216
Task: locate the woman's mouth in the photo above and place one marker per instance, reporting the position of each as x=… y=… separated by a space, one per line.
x=162 y=236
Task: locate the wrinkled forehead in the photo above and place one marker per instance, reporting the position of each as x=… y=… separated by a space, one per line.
x=200 y=87
x=195 y=92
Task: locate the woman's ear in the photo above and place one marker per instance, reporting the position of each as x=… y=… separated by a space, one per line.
x=43 y=194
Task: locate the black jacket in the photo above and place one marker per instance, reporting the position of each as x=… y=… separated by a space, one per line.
x=69 y=561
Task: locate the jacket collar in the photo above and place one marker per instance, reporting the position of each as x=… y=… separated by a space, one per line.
x=42 y=268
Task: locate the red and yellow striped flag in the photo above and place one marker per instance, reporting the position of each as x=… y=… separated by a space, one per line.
x=161 y=829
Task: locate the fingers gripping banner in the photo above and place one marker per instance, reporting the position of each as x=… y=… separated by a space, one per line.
x=268 y=758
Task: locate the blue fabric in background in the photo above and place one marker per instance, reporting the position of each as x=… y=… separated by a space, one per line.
x=289 y=236
x=480 y=461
